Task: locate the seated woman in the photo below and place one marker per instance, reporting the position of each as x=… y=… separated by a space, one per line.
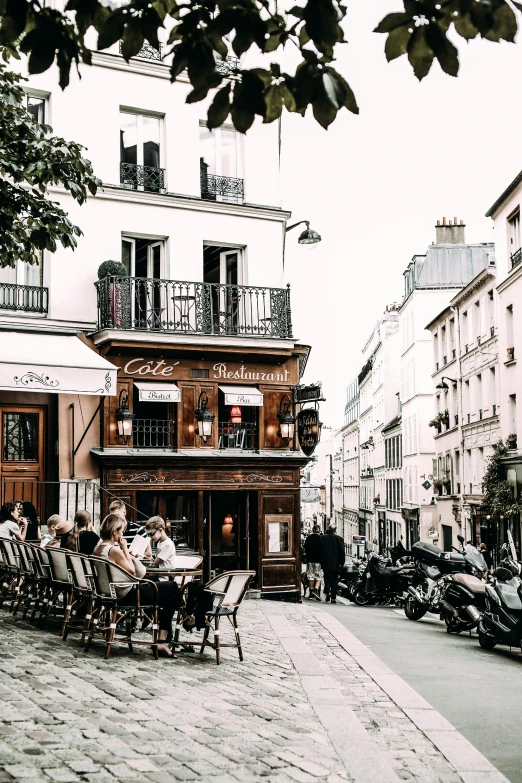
x=83 y=537
x=113 y=547
x=12 y=524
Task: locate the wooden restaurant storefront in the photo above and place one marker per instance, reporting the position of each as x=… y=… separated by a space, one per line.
x=234 y=497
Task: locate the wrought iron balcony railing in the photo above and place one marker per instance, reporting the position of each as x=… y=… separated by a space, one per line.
x=153 y=434
x=237 y=436
x=147 y=52
x=25 y=298
x=142 y=177
x=228 y=66
x=214 y=186
x=154 y=305
x=516 y=258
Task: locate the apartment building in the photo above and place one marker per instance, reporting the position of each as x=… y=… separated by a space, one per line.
x=431 y=281
x=466 y=410
x=505 y=213
x=350 y=450
x=394 y=522
x=171 y=396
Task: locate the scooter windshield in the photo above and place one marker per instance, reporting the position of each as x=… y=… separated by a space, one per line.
x=476 y=560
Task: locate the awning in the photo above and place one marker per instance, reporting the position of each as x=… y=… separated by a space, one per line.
x=158 y=392
x=54 y=363
x=242 y=395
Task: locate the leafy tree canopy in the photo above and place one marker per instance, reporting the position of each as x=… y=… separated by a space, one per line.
x=498 y=493
x=197 y=34
x=31 y=160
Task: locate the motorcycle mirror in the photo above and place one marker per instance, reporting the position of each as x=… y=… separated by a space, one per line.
x=460 y=538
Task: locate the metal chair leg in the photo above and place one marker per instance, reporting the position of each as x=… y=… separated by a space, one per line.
x=111 y=631
x=238 y=640
x=216 y=639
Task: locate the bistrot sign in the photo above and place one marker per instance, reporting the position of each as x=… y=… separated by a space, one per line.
x=308 y=430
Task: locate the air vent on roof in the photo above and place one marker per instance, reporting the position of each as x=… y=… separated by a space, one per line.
x=200 y=373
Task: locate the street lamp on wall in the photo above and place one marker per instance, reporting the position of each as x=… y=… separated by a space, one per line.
x=204 y=418
x=286 y=420
x=124 y=417
x=308 y=236
x=444 y=386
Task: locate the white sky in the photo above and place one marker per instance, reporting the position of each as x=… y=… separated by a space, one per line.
x=374 y=185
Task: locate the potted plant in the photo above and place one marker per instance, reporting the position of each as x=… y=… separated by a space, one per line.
x=435 y=423
x=512 y=440
x=115 y=293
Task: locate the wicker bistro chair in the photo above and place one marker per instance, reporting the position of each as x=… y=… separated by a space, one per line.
x=228 y=591
x=10 y=566
x=27 y=592
x=111 y=587
x=60 y=584
x=83 y=596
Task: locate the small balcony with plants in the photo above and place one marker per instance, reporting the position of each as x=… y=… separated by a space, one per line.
x=511 y=441
x=442 y=419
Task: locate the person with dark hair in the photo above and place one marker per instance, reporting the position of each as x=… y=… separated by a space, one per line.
x=82 y=537
x=314 y=554
x=333 y=558
x=12 y=525
x=33 y=523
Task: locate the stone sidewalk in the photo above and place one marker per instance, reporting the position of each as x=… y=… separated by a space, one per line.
x=309 y=704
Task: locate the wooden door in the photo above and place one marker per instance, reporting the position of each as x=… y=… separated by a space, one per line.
x=22 y=450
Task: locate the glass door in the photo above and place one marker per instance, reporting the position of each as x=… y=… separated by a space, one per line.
x=143 y=260
x=22 y=454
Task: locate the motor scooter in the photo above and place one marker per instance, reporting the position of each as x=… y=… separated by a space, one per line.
x=501 y=622
x=383 y=584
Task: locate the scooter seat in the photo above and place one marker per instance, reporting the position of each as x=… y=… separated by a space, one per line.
x=471 y=583
x=432 y=572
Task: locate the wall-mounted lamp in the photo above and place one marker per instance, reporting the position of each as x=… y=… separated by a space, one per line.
x=444 y=386
x=285 y=418
x=308 y=236
x=124 y=417
x=204 y=418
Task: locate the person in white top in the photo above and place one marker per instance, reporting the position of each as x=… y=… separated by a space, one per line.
x=12 y=524
x=165 y=549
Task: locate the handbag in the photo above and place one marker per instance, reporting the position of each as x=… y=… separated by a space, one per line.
x=139 y=568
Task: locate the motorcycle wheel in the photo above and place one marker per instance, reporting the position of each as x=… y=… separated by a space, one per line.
x=413 y=609
x=361 y=598
x=486 y=642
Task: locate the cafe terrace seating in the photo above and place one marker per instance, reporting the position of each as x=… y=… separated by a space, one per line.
x=85 y=592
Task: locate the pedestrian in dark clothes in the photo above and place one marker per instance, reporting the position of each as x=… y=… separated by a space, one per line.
x=314 y=555
x=333 y=558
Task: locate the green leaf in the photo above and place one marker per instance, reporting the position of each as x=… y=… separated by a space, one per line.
x=397 y=43
x=465 y=27
x=324 y=110
x=274 y=103
x=419 y=53
x=132 y=41
x=219 y=109
x=392 y=22
x=443 y=49
x=343 y=95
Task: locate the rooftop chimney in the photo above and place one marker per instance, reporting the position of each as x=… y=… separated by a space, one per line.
x=451 y=233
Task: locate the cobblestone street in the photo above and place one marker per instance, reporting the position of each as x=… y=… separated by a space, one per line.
x=310 y=702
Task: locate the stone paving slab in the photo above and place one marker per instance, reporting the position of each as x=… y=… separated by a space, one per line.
x=310 y=703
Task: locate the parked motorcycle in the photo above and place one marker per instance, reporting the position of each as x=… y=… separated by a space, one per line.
x=382 y=583
x=349 y=579
x=449 y=584
x=501 y=622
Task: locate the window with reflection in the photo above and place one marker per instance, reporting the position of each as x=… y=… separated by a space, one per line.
x=278 y=528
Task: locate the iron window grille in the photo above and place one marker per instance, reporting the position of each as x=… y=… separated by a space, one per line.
x=516 y=258
x=214 y=186
x=137 y=177
x=24 y=298
x=147 y=52
x=228 y=66
x=153 y=434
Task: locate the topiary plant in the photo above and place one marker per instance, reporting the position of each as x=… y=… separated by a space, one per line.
x=112 y=269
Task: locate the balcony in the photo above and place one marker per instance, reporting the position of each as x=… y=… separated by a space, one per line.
x=137 y=177
x=227 y=67
x=24 y=298
x=153 y=434
x=147 y=52
x=216 y=187
x=178 y=307
x=516 y=258
x=236 y=436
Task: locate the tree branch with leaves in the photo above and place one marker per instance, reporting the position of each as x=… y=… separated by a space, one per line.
x=30 y=161
x=198 y=33
x=499 y=499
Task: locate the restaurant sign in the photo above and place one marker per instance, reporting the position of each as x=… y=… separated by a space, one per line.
x=308 y=430
x=308 y=393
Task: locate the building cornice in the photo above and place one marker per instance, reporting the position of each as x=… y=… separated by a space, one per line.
x=514 y=274
x=204 y=340
x=178 y=201
x=504 y=196
x=475 y=285
x=137 y=65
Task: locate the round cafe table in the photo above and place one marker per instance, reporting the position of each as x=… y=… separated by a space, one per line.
x=182 y=577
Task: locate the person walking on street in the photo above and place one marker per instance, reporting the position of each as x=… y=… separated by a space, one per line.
x=314 y=555
x=333 y=559
x=487 y=556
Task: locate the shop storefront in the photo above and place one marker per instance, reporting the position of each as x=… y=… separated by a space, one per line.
x=200 y=438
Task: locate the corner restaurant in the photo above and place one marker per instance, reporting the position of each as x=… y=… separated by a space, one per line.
x=201 y=436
